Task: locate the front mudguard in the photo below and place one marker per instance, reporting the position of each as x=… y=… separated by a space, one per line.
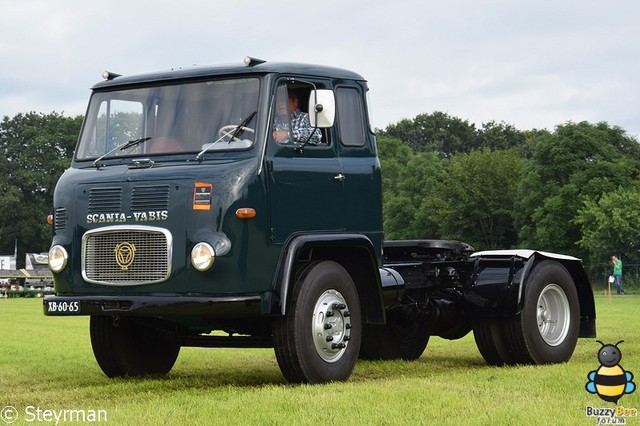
x=355 y=252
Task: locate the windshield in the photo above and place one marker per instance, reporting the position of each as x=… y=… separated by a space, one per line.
x=171 y=119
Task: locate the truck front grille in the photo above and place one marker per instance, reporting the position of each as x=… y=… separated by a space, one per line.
x=126 y=255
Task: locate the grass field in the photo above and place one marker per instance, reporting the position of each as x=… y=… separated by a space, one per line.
x=47 y=364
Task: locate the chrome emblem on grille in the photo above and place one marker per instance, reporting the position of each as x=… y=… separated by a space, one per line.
x=125 y=253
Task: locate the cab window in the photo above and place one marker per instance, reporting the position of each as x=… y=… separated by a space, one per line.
x=171 y=119
x=290 y=122
x=350 y=116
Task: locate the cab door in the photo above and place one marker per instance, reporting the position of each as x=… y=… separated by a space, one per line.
x=362 y=182
x=305 y=179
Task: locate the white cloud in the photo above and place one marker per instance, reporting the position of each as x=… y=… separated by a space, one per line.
x=531 y=64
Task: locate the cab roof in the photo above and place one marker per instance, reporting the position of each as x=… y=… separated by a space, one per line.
x=229 y=70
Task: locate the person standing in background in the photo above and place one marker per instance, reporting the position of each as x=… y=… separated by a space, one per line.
x=617 y=274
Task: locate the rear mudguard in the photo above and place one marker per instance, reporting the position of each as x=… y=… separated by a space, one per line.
x=499 y=278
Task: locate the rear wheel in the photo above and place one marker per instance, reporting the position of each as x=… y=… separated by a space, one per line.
x=126 y=347
x=491 y=341
x=546 y=330
x=318 y=340
x=399 y=338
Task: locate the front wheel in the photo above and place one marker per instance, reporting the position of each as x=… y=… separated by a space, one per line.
x=318 y=339
x=126 y=347
x=546 y=330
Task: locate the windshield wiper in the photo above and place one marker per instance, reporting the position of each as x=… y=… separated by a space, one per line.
x=240 y=127
x=121 y=147
x=234 y=134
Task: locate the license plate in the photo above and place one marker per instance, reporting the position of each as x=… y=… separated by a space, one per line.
x=66 y=307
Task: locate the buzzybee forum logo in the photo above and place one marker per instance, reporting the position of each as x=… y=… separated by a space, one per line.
x=610 y=382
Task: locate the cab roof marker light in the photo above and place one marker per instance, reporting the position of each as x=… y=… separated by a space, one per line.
x=108 y=75
x=250 y=61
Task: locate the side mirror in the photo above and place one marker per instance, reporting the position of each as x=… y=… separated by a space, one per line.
x=322 y=108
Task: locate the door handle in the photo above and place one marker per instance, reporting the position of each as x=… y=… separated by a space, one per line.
x=339 y=177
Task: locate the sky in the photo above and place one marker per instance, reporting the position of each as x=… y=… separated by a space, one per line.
x=530 y=64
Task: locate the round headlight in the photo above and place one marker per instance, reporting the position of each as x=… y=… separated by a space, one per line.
x=202 y=256
x=57 y=258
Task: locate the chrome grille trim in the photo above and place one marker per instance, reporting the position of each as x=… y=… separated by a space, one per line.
x=151 y=263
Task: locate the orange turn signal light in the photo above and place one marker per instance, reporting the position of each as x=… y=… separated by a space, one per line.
x=245 y=213
x=50 y=219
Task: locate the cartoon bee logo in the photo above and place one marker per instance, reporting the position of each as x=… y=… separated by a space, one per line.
x=610 y=381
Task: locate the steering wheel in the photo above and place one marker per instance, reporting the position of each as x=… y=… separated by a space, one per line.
x=225 y=132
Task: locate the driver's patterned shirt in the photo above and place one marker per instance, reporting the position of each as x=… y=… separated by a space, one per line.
x=300 y=128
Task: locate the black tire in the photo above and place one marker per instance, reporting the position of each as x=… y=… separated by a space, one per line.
x=124 y=347
x=489 y=335
x=546 y=330
x=399 y=338
x=318 y=339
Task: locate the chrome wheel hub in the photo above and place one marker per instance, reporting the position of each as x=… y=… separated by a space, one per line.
x=331 y=326
x=553 y=315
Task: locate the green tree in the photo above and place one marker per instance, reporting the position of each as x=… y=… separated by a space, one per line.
x=575 y=163
x=36 y=148
x=474 y=200
x=611 y=225
x=502 y=136
x=394 y=155
x=410 y=212
x=435 y=132
x=407 y=180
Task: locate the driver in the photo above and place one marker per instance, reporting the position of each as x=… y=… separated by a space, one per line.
x=300 y=128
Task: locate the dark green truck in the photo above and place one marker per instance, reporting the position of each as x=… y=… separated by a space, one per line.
x=183 y=222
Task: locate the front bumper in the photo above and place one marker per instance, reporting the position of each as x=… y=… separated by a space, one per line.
x=153 y=306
